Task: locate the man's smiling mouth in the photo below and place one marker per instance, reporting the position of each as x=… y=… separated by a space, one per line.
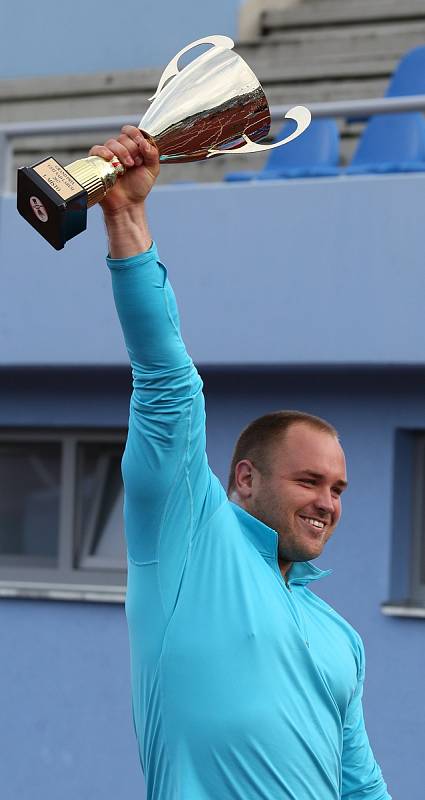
x=313 y=522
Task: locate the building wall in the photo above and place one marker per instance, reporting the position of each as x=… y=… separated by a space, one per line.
x=304 y=294
x=324 y=271
x=65 y=692
x=51 y=39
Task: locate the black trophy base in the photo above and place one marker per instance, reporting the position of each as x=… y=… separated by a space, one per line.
x=52 y=201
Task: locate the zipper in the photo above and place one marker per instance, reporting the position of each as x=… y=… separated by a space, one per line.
x=299 y=619
x=299 y=616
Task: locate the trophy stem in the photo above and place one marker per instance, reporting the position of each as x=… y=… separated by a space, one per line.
x=96 y=176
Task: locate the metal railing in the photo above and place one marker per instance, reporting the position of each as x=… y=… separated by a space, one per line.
x=350 y=109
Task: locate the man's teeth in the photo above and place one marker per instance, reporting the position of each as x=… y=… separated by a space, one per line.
x=315 y=522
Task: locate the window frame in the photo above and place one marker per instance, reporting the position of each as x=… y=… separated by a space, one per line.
x=407 y=590
x=417 y=585
x=93 y=579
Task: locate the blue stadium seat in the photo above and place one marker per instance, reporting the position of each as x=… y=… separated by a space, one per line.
x=313 y=154
x=391 y=143
x=395 y=142
x=409 y=75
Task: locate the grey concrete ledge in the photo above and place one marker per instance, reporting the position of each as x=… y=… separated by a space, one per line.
x=398 y=609
x=58 y=591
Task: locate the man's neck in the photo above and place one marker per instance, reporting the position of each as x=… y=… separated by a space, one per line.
x=284 y=567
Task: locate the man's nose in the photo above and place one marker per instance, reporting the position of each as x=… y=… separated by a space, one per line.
x=324 y=500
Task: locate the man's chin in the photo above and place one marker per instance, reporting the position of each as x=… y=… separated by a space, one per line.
x=304 y=554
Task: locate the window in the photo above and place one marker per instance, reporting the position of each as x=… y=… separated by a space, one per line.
x=100 y=506
x=61 y=523
x=407 y=580
x=29 y=502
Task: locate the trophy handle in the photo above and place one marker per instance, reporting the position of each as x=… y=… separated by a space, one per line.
x=172 y=69
x=300 y=114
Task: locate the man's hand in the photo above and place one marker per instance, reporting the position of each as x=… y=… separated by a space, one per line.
x=141 y=160
x=123 y=205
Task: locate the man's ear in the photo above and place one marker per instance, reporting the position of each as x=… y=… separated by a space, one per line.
x=243 y=478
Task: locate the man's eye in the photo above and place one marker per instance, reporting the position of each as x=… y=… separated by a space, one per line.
x=308 y=481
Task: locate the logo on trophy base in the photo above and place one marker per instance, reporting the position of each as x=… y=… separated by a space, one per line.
x=38 y=209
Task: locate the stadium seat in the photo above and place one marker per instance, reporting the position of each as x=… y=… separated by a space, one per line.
x=313 y=154
x=395 y=142
x=391 y=143
x=409 y=75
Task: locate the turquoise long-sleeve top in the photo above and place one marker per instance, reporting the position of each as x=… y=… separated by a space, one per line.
x=243 y=687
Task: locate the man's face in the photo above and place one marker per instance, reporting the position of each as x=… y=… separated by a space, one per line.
x=299 y=495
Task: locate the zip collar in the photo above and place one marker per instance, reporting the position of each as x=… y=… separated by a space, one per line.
x=303 y=572
x=265 y=540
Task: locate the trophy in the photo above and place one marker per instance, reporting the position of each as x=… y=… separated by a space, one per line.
x=214 y=106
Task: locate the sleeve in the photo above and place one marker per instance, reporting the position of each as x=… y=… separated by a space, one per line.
x=169 y=488
x=361 y=776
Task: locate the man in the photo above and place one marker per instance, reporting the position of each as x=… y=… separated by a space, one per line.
x=246 y=686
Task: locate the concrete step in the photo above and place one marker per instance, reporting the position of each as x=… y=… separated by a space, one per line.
x=317 y=58
x=314 y=55
x=318 y=13
x=391 y=38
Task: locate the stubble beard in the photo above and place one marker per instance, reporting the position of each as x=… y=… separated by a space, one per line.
x=289 y=548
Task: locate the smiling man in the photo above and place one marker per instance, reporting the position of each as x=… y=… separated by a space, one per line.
x=245 y=684
x=288 y=470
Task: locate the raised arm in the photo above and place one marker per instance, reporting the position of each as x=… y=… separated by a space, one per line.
x=124 y=206
x=166 y=475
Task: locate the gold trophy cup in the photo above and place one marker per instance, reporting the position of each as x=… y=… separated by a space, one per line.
x=213 y=106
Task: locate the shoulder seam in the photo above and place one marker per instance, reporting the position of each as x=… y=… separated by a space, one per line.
x=201 y=528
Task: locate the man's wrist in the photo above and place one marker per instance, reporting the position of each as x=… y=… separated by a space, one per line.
x=128 y=231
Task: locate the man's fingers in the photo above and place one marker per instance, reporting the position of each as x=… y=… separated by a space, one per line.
x=133 y=139
x=147 y=151
x=102 y=151
x=133 y=133
x=121 y=151
x=112 y=149
x=130 y=147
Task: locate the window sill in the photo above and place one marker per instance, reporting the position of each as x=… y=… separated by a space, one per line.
x=397 y=609
x=58 y=591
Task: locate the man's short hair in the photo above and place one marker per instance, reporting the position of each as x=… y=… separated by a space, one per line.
x=258 y=437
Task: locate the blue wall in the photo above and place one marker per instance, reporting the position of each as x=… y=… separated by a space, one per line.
x=338 y=261
x=305 y=280
x=51 y=38
x=64 y=689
